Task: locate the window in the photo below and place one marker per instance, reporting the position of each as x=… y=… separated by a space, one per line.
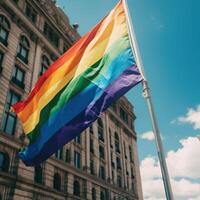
x=38 y=174
x=77 y=159
x=51 y=35
x=117 y=147
x=91 y=146
x=23 y=49
x=102 y=172
x=31 y=13
x=78 y=139
x=4 y=162
x=91 y=130
x=68 y=157
x=123 y=115
x=76 y=188
x=100 y=130
x=119 y=181
x=59 y=154
x=112 y=162
x=101 y=152
x=130 y=153
x=102 y=196
x=132 y=173
x=110 y=137
x=113 y=175
x=125 y=150
x=57 y=181
x=9 y=118
x=92 y=167
x=4 y=30
x=1 y=61
x=44 y=65
x=18 y=76
x=93 y=194
x=118 y=163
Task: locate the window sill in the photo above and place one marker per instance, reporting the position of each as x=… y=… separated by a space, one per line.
x=17 y=83
x=3 y=48
x=21 y=63
x=22 y=59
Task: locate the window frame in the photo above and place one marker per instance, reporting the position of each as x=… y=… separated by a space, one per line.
x=32 y=13
x=77 y=159
x=3 y=27
x=6 y=162
x=23 y=47
x=57 y=181
x=38 y=174
x=8 y=114
x=1 y=60
x=15 y=80
x=76 y=188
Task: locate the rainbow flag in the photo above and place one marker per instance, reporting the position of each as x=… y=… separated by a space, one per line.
x=78 y=87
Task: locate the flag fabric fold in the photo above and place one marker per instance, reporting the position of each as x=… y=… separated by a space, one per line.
x=78 y=87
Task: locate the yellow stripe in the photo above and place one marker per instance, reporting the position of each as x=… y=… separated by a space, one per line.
x=95 y=50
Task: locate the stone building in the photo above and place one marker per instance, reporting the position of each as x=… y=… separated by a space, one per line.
x=102 y=163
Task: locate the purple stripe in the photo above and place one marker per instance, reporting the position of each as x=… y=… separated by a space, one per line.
x=118 y=88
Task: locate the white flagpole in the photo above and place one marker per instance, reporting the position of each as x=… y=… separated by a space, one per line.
x=147 y=95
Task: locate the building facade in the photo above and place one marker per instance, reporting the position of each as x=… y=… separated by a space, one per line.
x=100 y=164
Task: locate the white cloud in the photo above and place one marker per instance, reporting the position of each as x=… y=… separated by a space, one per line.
x=183 y=164
x=148 y=135
x=192 y=117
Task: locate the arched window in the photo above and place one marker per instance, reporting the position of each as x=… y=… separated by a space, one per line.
x=4 y=162
x=93 y=194
x=76 y=188
x=100 y=129
x=4 y=30
x=57 y=181
x=117 y=148
x=102 y=195
x=23 y=49
x=44 y=64
x=38 y=174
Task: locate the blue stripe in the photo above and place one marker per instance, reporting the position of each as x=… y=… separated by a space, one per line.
x=78 y=103
x=83 y=120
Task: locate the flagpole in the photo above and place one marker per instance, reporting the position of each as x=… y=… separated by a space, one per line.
x=147 y=95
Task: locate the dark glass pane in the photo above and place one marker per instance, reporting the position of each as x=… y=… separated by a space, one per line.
x=3 y=34
x=93 y=194
x=38 y=174
x=1 y=161
x=10 y=125
x=76 y=188
x=1 y=58
x=4 y=162
x=57 y=181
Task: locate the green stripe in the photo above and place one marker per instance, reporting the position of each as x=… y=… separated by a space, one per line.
x=82 y=81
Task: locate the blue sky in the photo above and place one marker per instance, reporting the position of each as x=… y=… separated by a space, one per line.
x=168 y=34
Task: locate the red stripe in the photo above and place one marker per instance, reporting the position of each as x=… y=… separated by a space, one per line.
x=80 y=45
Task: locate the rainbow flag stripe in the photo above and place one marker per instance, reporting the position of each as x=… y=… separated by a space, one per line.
x=78 y=87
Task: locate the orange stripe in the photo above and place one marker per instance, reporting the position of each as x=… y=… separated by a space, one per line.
x=77 y=52
x=79 y=46
x=70 y=67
